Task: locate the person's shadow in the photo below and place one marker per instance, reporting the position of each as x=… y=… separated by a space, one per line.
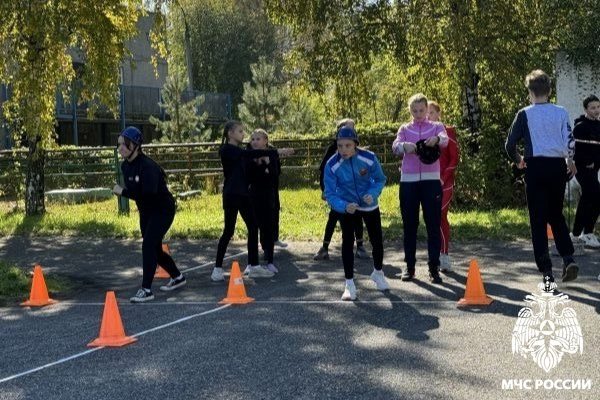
x=403 y=318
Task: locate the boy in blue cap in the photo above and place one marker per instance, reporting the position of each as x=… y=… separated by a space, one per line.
x=145 y=182
x=353 y=182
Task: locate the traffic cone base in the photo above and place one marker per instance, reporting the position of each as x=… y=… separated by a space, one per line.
x=112 y=333
x=236 y=293
x=474 y=292
x=475 y=301
x=160 y=271
x=38 y=303
x=115 y=342
x=38 y=296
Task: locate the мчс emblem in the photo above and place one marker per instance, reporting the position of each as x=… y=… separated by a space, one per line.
x=547 y=329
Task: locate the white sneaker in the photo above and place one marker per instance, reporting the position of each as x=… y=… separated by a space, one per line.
x=279 y=243
x=349 y=292
x=445 y=263
x=258 y=271
x=379 y=278
x=271 y=267
x=590 y=240
x=217 y=275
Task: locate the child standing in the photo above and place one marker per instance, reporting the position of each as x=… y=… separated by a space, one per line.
x=420 y=186
x=236 y=199
x=353 y=182
x=323 y=253
x=263 y=175
x=145 y=182
x=448 y=162
x=587 y=161
x=545 y=130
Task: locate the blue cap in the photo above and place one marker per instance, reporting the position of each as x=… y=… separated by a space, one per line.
x=132 y=133
x=347 y=133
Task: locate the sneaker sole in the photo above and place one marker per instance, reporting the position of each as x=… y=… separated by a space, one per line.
x=170 y=288
x=254 y=276
x=570 y=273
x=145 y=299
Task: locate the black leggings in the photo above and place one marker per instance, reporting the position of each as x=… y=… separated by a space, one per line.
x=428 y=195
x=373 y=223
x=333 y=218
x=153 y=228
x=588 y=207
x=247 y=213
x=265 y=214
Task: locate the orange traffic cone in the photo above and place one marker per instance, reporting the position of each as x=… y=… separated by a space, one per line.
x=39 y=292
x=111 y=331
x=236 y=294
x=549 y=232
x=160 y=271
x=474 y=293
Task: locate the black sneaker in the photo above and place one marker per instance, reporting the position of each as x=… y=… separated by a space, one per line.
x=434 y=277
x=173 y=284
x=570 y=271
x=142 y=296
x=408 y=274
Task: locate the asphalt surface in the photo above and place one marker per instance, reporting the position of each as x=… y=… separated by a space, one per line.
x=298 y=340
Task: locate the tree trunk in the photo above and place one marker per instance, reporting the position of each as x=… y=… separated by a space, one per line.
x=471 y=105
x=34 y=181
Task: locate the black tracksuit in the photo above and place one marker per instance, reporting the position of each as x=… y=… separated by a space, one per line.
x=145 y=182
x=334 y=217
x=263 y=179
x=236 y=198
x=587 y=161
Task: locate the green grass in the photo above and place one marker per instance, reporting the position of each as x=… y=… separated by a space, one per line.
x=15 y=284
x=303 y=217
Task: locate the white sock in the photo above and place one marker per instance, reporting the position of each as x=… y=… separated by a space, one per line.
x=350 y=282
x=218 y=269
x=147 y=290
x=179 y=277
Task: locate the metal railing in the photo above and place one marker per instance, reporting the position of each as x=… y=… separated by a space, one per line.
x=188 y=165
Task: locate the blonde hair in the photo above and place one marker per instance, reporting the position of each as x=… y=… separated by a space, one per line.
x=343 y=122
x=261 y=132
x=435 y=105
x=417 y=98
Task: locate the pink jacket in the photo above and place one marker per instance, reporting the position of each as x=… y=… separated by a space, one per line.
x=413 y=170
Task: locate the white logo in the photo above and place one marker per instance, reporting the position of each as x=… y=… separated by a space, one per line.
x=546 y=329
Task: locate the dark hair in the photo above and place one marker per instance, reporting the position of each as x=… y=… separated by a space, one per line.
x=229 y=125
x=538 y=83
x=591 y=98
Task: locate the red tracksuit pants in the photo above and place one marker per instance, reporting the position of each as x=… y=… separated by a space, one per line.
x=447 y=191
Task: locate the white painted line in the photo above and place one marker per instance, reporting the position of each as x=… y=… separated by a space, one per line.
x=84 y=353
x=211 y=262
x=62 y=360
x=201 y=303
